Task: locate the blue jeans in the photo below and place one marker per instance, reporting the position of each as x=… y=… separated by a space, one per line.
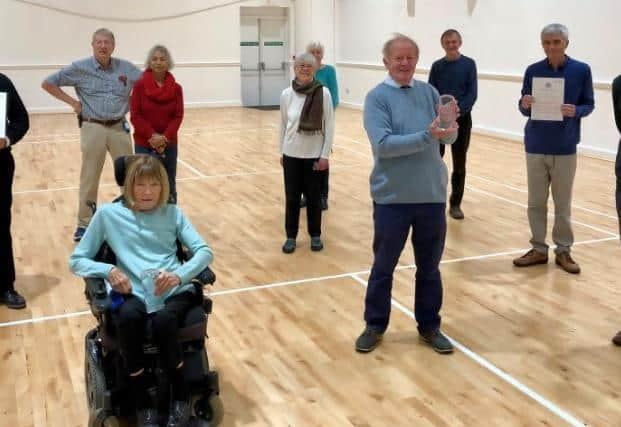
x=392 y=223
x=169 y=159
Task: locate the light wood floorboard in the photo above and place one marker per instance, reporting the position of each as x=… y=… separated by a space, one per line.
x=285 y=354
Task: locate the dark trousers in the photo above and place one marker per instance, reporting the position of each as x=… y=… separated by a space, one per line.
x=458 y=150
x=324 y=176
x=301 y=178
x=131 y=320
x=169 y=159
x=7 y=264
x=618 y=188
x=392 y=224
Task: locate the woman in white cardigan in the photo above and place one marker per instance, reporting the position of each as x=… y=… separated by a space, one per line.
x=306 y=134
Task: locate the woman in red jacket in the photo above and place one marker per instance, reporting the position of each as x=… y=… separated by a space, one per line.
x=157 y=111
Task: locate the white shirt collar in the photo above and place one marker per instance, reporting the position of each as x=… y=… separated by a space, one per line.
x=391 y=82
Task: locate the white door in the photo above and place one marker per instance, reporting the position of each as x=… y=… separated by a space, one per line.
x=250 y=61
x=264 y=70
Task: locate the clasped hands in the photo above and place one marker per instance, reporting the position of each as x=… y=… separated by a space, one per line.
x=164 y=281
x=158 y=142
x=567 y=110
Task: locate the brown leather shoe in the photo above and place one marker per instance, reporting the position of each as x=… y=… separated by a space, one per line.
x=531 y=257
x=616 y=340
x=566 y=263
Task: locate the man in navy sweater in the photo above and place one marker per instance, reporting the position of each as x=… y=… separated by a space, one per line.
x=456 y=75
x=16 y=126
x=408 y=187
x=551 y=149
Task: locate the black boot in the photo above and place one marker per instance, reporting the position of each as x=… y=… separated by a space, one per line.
x=12 y=299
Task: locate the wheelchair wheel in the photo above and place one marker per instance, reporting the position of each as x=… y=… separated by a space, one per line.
x=102 y=418
x=99 y=415
x=111 y=421
x=209 y=411
x=94 y=378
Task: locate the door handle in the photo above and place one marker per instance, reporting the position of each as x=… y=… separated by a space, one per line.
x=262 y=66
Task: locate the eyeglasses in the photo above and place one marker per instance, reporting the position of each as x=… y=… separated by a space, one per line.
x=305 y=66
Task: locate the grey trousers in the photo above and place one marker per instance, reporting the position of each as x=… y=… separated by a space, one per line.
x=556 y=172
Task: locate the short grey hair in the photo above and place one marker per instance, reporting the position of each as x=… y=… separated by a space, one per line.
x=315 y=46
x=558 y=29
x=164 y=51
x=398 y=37
x=305 y=58
x=103 y=32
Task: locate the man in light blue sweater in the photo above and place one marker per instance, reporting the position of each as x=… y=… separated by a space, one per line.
x=408 y=187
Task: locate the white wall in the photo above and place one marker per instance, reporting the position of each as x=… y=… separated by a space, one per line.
x=202 y=35
x=501 y=35
x=314 y=21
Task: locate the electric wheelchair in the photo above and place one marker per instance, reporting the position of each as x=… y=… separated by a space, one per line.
x=107 y=384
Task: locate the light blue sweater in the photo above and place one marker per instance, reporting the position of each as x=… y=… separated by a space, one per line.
x=408 y=167
x=141 y=241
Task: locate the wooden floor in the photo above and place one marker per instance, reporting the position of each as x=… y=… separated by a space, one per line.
x=534 y=344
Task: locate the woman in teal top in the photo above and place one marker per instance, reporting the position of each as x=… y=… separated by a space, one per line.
x=326 y=74
x=142 y=230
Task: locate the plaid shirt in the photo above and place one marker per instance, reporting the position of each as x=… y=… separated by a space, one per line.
x=103 y=92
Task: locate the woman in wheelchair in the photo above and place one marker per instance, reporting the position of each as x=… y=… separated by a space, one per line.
x=142 y=230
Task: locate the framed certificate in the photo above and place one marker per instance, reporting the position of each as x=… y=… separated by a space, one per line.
x=2 y=114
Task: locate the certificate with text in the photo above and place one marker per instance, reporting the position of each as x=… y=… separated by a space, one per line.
x=548 y=94
x=2 y=114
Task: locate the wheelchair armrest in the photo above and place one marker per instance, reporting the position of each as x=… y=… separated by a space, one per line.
x=97 y=295
x=205 y=277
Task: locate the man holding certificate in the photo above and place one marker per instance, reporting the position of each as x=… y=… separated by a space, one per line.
x=556 y=94
x=13 y=127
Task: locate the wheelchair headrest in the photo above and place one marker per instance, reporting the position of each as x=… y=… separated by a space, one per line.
x=121 y=164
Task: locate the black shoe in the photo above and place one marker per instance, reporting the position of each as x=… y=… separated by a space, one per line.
x=324 y=203
x=79 y=232
x=12 y=299
x=179 y=415
x=316 y=244
x=438 y=341
x=456 y=213
x=289 y=246
x=368 y=340
x=146 y=418
x=303 y=202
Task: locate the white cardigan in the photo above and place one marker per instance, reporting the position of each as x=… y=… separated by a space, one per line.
x=294 y=144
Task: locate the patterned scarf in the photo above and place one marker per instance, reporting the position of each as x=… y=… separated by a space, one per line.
x=311 y=118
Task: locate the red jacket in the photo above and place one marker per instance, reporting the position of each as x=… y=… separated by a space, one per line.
x=156 y=109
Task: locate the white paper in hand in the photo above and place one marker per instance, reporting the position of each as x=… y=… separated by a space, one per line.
x=2 y=114
x=549 y=94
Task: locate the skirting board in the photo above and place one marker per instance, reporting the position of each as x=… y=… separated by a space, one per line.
x=189 y=105
x=585 y=149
